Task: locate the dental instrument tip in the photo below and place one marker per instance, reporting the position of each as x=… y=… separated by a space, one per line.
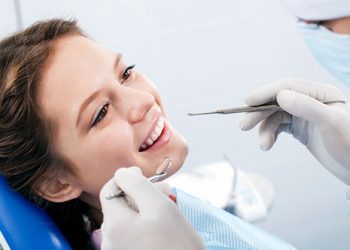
x=206 y=113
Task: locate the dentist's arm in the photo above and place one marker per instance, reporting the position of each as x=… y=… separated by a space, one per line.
x=323 y=128
x=158 y=224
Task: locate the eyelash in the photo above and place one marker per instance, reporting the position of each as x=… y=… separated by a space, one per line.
x=127 y=73
x=101 y=114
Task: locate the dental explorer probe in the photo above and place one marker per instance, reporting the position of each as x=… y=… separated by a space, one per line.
x=243 y=109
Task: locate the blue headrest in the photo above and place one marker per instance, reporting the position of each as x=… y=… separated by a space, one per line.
x=25 y=226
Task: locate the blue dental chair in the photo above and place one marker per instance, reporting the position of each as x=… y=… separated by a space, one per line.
x=24 y=226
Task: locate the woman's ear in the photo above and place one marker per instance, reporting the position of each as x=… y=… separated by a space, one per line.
x=59 y=189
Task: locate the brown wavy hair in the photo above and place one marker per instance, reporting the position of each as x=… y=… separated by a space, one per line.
x=26 y=157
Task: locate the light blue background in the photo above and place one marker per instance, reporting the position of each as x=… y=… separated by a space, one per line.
x=209 y=54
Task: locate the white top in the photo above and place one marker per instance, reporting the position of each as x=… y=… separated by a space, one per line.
x=317 y=9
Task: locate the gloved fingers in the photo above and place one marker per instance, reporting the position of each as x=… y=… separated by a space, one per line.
x=271 y=127
x=114 y=205
x=164 y=187
x=251 y=119
x=143 y=193
x=304 y=107
x=268 y=92
x=281 y=128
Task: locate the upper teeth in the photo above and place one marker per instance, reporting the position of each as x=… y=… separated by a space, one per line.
x=154 y=135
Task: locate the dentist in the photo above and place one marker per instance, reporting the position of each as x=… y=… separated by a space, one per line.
x=323 y=129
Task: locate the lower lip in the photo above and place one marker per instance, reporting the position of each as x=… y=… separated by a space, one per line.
x=163 y=139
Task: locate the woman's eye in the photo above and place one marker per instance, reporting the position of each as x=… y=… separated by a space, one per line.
x=127 y=73
x=101 y=114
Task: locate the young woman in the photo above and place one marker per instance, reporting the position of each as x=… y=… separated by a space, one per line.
x=71 y=114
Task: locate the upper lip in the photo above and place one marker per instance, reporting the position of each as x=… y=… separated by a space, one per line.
x=156 y=115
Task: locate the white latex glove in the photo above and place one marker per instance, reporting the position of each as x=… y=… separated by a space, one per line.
x=158 y=225
x=323 y=129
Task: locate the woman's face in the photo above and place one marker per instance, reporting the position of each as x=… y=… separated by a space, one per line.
x=105 y=115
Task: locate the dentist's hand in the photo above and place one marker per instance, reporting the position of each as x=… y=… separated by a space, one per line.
x=323 y=129
x=158 y=224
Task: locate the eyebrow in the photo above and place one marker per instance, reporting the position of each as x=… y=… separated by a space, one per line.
x=94 y=94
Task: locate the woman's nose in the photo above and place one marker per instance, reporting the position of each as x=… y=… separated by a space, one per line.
x=136 y=103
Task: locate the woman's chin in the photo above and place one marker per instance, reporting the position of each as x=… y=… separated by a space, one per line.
x=179 y=156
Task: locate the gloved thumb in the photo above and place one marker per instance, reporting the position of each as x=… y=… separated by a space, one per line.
x=303 y=106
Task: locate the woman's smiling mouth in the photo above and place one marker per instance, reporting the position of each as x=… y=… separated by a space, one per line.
x=159 y=136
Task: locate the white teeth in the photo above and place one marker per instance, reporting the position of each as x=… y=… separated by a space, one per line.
x=154 y=135
x=157 y=131
x=149 y=141
x=161 y=123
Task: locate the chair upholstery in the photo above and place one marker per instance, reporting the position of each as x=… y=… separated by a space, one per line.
x=25 y=226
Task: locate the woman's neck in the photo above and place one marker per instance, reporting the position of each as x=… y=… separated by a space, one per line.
x=95 y=209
